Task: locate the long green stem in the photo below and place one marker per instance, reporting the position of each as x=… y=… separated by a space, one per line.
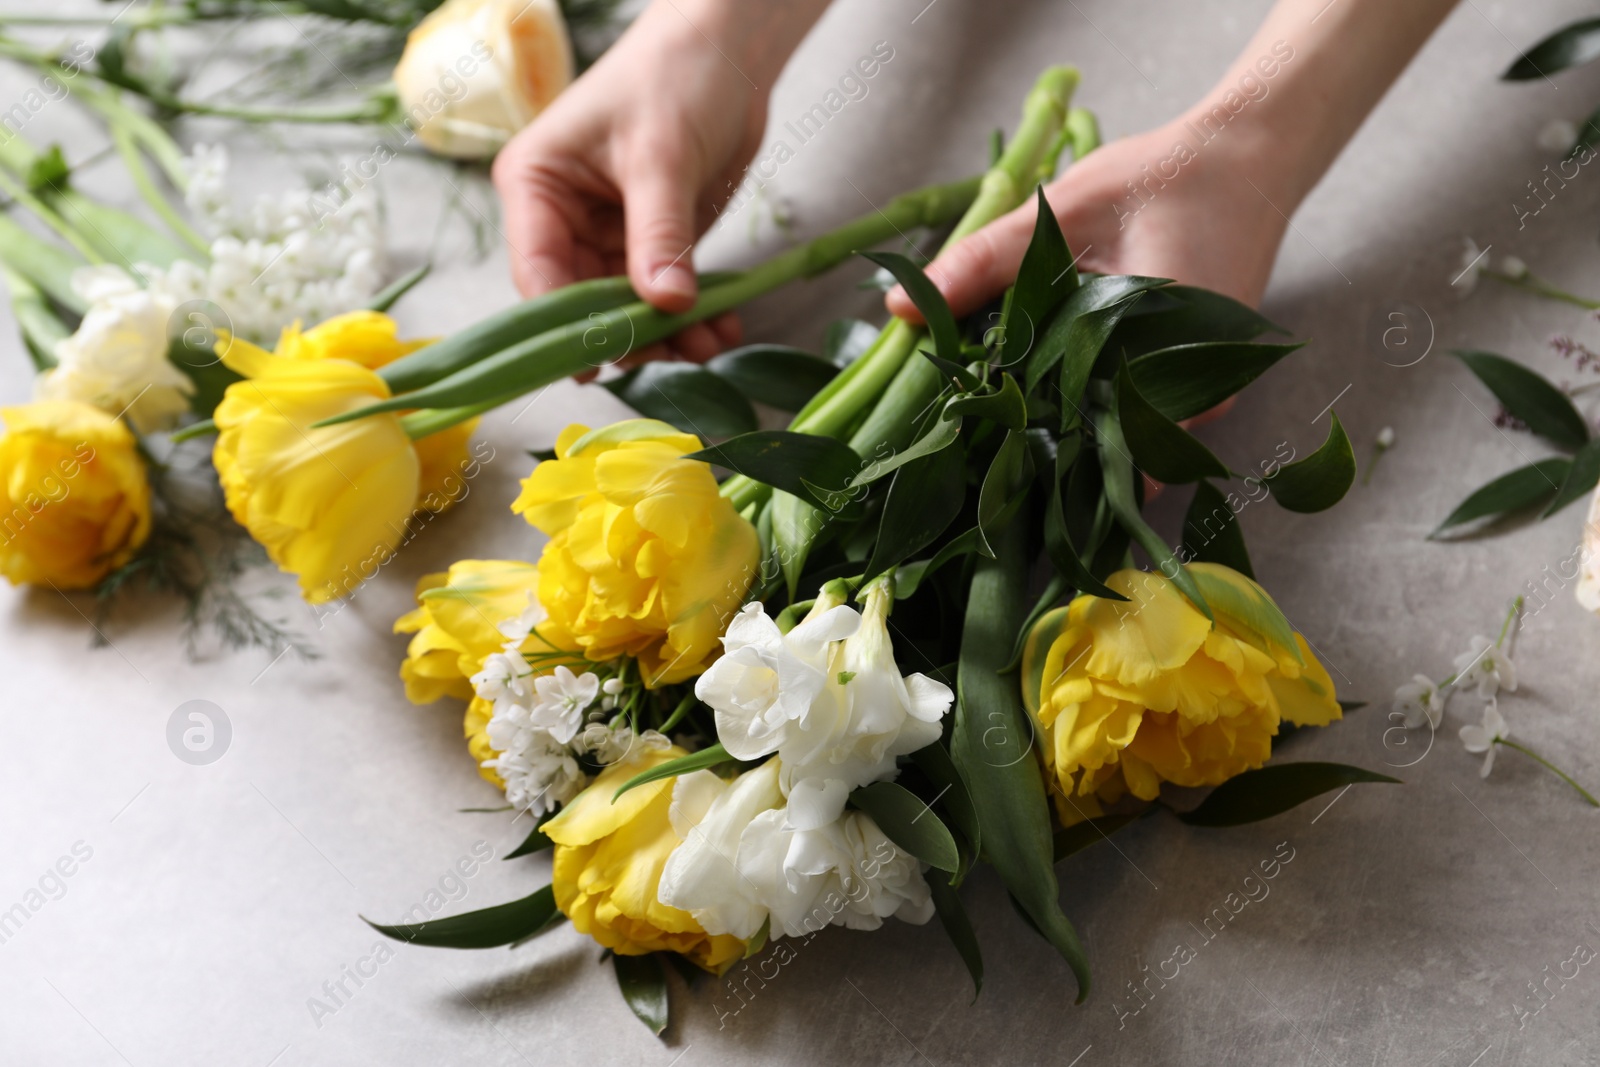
x=42 y=330
x=1557 y=771
x=1530 y=284
x=153 y=196
x=47 y=215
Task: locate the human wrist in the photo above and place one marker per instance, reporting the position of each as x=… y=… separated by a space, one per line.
x=756 y=38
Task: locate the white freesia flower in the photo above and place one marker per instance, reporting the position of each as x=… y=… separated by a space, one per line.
x=474 y=72
x=561 y=698
x=1488 y=666
x=702 y=875
x=1481 y=738
x=1557 y=135
x=847 y=873
x=1420 y=702
x=117 y=359
x=540 y=773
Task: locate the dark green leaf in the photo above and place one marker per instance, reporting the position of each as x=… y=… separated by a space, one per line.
x=1006 y=480
x=1570 y=46
x=1580 y=480
x=535 y=842
x=992 y=742
x=1181 y=314
x=908 y=578
x=1080 y=836
x=1319 y=481
x=687 y=396
x=910 y=823
x=929 y=301
x=1079 y=330
x=938 y=437
x=1212 y=533
x=1530 y=397
x=1045 y=278
x=953 y=917
x=781 y=377
x=694 y=761
x=390 y=295
x=1005 y=405
x=1523 y=488
x=502 y=924
x=1064 y=554
x=49 y=171
x=643 y=982
x=847 y=339
x=1588 y=135
x=1185 y=380
x=815 y=469
x=1160 y=447
x=923 y=500
x=1272 y=790
x=935 y=762
x=964 y=379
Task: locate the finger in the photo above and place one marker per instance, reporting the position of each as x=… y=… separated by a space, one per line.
x=537 y=230
x=696 y=343
x=1210 y=414
x=728 y=328
x=977 y=268
x=659 y=221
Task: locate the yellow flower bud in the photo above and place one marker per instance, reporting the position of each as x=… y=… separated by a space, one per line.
x=645 y=558
x=74 y=502
x=1127 y=695
x=606 y=869
x=474 y=72
x=456 y=624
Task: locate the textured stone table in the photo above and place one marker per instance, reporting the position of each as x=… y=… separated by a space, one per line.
x=209 y=905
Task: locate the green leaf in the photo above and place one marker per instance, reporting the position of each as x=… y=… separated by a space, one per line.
x=929 y=301
x=534 y=842
x=775 y=375
x=48 y=172
x=1268 y=791
x=1246 y=603
x=1005 y=405
x=1045 y=278
x=923 y=500
x=686 y=396
x=1063 y=553
x=909 y=578
x=1212 y=532
x=643 y=982
x=390 y=295
x=939 y=436
x=1080 y=836
x=1184 y=380
x=711 y=756
x=1181 y=314
x=909 y=823
x=1572 y=45
x=1006 y=481
x=502 y=924
x=953 y=917
x=816 y=469
x=1580 y=480
x=1160 y=447
x=1523 y=488
x=1530 y=397
x=991 y=742
x=846 y=340
x=1079 y=330
x=935 y=762
x=1319 y=481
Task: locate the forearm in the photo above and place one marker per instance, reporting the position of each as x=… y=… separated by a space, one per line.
x=1305 y=83
x=756 y=36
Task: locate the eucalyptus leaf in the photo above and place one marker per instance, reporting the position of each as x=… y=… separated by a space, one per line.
x=910 y=823
x=953 y=917
x=643 y=982
x=1319 y=481
x=1572 y=45
x=1580 y=480
x=816 y=469
x=775 y=375
x=1184 y=380
x=926 y=296
x=686 y=396
x=502 y=924
x=1272 y=790
x=1518 y=490
x=1211 y=531
x=924 y=498
x=1530 y=397
x=1160 y=447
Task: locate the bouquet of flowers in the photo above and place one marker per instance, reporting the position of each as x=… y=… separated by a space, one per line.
x=900 y=639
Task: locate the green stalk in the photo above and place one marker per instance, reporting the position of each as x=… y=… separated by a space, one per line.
x=47 y=215
x=42 y=330
x=131 y=158
x=605 y=336
x=1557 y=771
x=44 y=263
x=144 y=130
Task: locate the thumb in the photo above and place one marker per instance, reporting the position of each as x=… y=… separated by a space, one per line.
x=658 y=211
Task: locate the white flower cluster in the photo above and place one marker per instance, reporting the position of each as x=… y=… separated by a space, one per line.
x=1488 y=667
x=828 y=701
x=278 y=261
x=542 y=724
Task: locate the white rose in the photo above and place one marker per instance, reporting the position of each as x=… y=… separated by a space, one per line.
x=701 y=876
x=474 y=72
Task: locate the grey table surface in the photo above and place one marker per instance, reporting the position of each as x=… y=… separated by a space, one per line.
x=218 y=900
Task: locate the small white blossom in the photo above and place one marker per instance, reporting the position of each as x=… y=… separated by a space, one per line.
x=540 y=774
x=517 y=628
x=1386 y=437
x=1420 y=701
x=1513 y=267
x=561 y=699
x=1557 y=135
x=1488 y=666
x=1481 y=738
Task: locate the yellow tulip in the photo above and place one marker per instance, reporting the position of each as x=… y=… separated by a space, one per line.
x=645 y=558
x=329 y=505
x=607 y=864
x=446 y=464
x=74 y=502
x=455 y=623
x=1127 y=695
x=475 y=727
x=369 y=338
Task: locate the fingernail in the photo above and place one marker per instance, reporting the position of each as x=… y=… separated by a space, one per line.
x=675 y=279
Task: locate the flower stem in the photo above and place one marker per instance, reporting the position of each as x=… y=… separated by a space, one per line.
x=1538 y=287
x=1511 y=616
x=1557 y=771
x=134 y=161
x=678 y=713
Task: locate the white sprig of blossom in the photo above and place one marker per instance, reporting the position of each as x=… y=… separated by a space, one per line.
x=1488 y=665
x=1484 y=737
x=1420 y=701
